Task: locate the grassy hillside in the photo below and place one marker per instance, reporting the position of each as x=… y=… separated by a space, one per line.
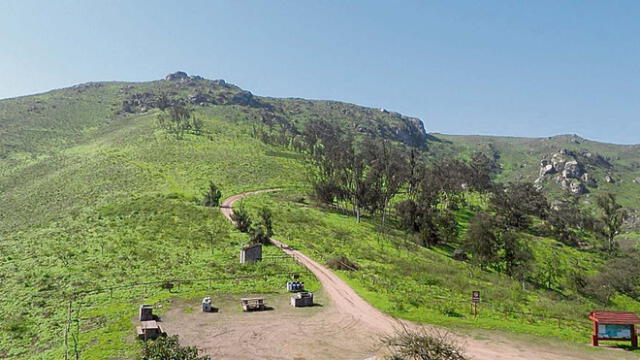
x=427 y=285
x=101 y=207
x=113 y=202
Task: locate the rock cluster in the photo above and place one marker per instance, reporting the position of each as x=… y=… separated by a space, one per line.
x=203 y=92
x=569 y=172
x=140 y=102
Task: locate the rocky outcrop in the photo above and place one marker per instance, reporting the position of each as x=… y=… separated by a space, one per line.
x=546 y=168
x=242 y=98
x=574 y=186
x=577 y=188
x=588 y=180
x=202 y=92
x=572 y=170
x=201 y=99
x=588 y=158
x=411 y=131
x=558 y=160
x=178 y=76
x=139 y=102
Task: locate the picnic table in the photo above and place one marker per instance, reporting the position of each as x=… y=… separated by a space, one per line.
x=250 y=304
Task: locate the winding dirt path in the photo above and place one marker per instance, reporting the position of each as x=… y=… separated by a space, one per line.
x=343 y=298
x=349 y=327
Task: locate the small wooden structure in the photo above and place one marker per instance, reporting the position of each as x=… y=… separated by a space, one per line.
x=149 y=330
x=146 y=313
x=207 y=305
x=614 y=326
x=251 y=253
x=252 y=304
x=302 y=299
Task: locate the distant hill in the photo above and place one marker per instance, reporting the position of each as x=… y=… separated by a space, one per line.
x=39 y=126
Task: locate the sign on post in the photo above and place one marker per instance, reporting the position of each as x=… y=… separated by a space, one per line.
x=475 y=297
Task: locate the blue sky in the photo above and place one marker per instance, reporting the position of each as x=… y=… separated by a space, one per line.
x=534 y=68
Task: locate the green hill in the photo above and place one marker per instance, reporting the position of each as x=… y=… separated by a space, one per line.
x=102 y=206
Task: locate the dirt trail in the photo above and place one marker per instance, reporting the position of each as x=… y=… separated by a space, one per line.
x=343 y=299
x=348 y=327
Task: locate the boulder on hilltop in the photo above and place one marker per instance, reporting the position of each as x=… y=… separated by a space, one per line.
x=177 y=76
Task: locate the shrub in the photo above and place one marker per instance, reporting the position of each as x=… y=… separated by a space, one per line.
x=341 y=262
x=408 y=344
x=263 y=230
x=242 y=218
x=618 y=275
x=212 y=196
x=169 y=349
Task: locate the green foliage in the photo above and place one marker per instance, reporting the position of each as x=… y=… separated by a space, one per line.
x=341 y=262
x=178 y=119
x=567 y=221
x=212 y=196
x=481 y=241
x=262 y=230
x=516 y=203
x=242 y=218
x=612 y=218
x=619 y=275
x=517 y=256
x=169 y=348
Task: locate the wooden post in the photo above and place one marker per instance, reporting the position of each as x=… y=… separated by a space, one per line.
x=594 y=337
x=475 y=299
x=76 y=334
x=66 y=332
x=634 y=337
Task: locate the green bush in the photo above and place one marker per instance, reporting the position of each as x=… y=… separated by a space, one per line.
x=168 y=348
x=341 y=262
